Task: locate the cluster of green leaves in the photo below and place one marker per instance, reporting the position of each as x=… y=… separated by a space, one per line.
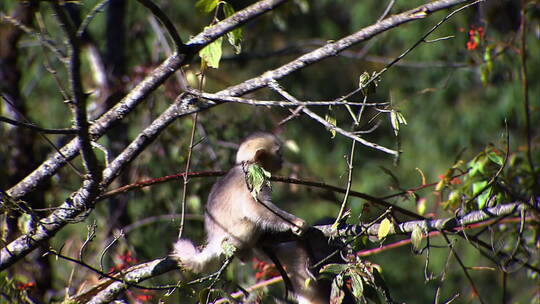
x=257 y=178
x=361 y=278
x=211 y=54
x=487 y=180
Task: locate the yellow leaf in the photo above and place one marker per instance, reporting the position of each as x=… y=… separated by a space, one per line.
x=384 y=228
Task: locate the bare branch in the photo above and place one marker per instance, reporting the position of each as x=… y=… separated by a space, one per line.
x=276 y=103
x=448 y=224
x=78 y=104
x=151 y=82
x=179 y=45
x=36 y=128
x=273 y=84
x=82 y=200
x=39 y=36
x=160 y=266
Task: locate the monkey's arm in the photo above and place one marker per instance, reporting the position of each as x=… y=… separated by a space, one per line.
x=272 y=217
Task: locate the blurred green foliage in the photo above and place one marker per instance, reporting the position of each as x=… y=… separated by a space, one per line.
x=451 y=115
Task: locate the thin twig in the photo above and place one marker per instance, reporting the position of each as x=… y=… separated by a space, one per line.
x=420 y=13
x=32 y=126
x=97 y=271
x=525 y=87
x=14 y=108
x=84 y=24
x=463 y=268
x=179 y=45
x=276 y=103
x=276 y=87
x=186 y=175
x=39 y=36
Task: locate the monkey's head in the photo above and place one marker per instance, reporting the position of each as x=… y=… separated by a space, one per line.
x=263 y=149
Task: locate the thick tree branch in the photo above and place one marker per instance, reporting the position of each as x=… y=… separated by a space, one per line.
x=185 y=105
x=78 y=205
x=151 y=82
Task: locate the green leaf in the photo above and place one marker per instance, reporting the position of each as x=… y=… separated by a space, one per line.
x=494 y=157
x=477 y=165
x=396 y=118
x=206 y=6
x=337 y=294
x=228 y=249
x=333 y=121
x=333 y=269
x=416 y=237
x=24 y=223
x=211 y=54
x=478 y=186
x=363 y=80
x=454 y=198
x=384 y=228
x=421 y=206
x=235 y=36
x=483 y=199
x=357 y=286
x=257 y=177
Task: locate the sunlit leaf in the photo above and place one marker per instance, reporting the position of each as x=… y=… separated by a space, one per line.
x=257 y=177
x=421 y=206
x=235 y=36
x=211 y=54
x=334 y=268
x=206 y=6
x=478 y=186
x=494 y=157
x=396 y=118
x=384 y=228
x=24 y=223
x=363 y=79
x=228 y=249
x=357 y=285
x=333 y=121
x=454 y=198
x=416 y=237
x=483 y=199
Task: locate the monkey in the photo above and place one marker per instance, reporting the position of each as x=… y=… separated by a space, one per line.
x=234 y=215
x=298 y=258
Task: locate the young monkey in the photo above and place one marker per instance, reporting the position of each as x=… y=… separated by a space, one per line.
x=233 y=215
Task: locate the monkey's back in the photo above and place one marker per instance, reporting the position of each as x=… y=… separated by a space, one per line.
x=230 y=210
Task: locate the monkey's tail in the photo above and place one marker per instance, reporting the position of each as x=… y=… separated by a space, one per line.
x=191 y=258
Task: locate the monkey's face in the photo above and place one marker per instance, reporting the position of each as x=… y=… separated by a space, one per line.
x=269 y=160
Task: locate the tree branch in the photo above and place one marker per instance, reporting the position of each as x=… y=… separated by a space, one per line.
x=151 y=82
x=160 y=266
x=36 y=128
x=78 y=205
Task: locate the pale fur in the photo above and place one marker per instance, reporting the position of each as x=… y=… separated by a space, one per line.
x=233 y=215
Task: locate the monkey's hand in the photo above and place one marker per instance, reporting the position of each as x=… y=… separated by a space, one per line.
x=299 y=227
